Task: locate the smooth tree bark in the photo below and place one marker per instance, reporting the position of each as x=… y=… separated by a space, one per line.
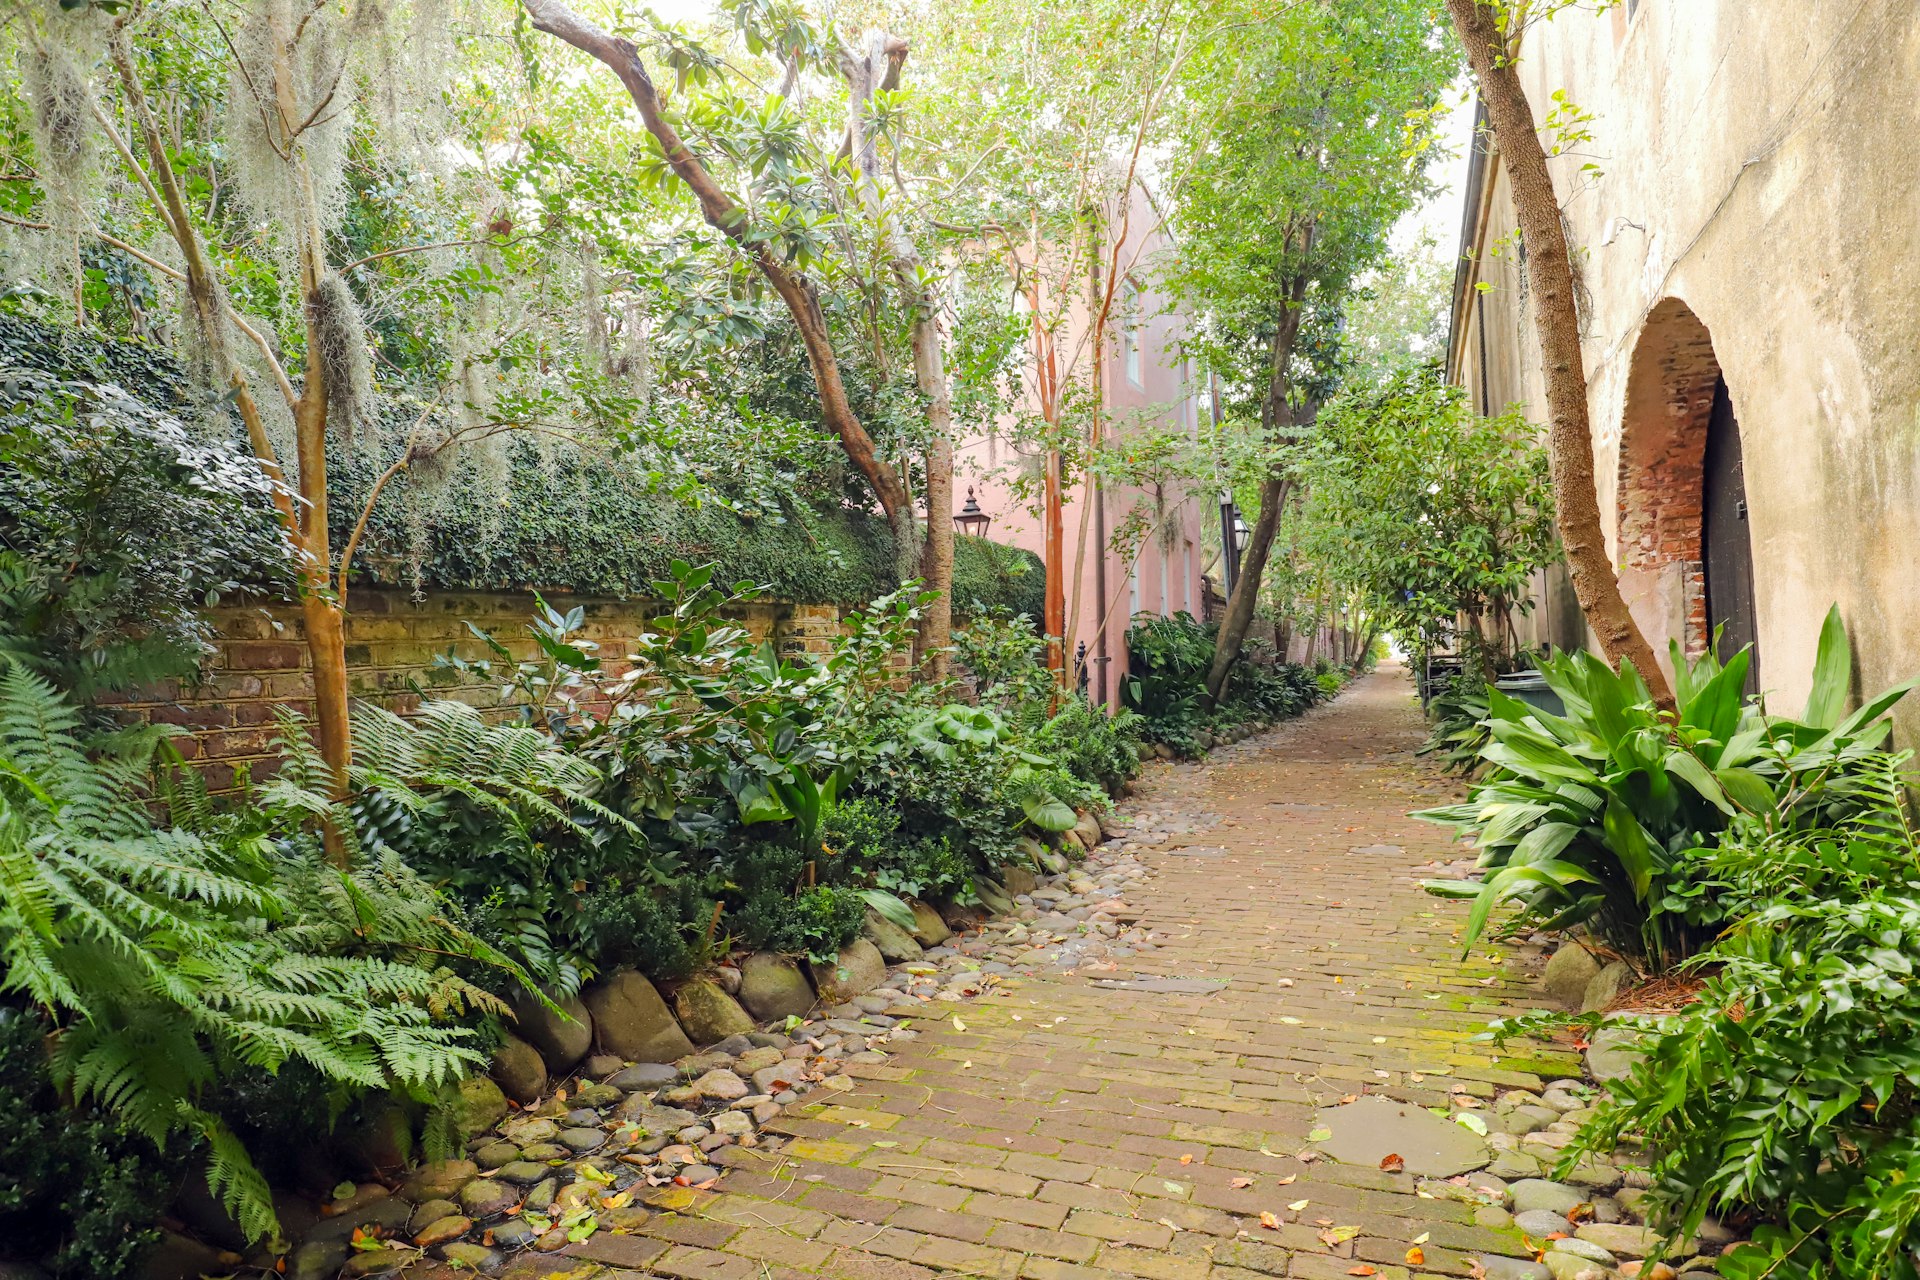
x=878 y=66
x=1491 y=53
x=305 y=526
x=725 y=215
x=1276 y=414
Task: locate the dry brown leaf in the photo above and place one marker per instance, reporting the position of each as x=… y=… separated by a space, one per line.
x=1240 y=1184
x=1416 y=1256
x=1186 y=1159
x=1393 y=1163
x=1362 y=1270
x=1269 y=1220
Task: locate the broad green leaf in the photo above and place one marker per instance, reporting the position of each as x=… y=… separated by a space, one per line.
x=1544 y=843
x=1049 y=814
x=890 y=908
x=1832 y=674
x=1630 y=846
x=1684 y=766
x=1716 y=707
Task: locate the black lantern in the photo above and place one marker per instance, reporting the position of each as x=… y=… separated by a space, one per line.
x=971 y=518
x=1240 y=532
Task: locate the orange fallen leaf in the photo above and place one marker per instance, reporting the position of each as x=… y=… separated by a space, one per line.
x=1393 y=1163
x=1186 y=1159
x=1362 y=1270
x=1416 y=1256
x=1288 y=1180
x=1269 y=1221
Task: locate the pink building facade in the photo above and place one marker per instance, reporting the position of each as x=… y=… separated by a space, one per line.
x=1143 y=378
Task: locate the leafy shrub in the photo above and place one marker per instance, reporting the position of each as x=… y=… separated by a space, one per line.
x=1787 y=1088
x=169 y=957
x=1095 y=747
x=119 y=525
x=1458 y=713
x=658 y=933
x=1005 y=657
x=860 y=826
x=75 y=1189
x=817 y=921
x=933 y=866
x=1167 y=664
x=1592 y=817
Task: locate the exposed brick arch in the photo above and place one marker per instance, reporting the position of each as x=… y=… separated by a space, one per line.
x=1663 y=439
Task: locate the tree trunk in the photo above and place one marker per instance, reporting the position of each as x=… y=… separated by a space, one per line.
x=1274 y=413
x=724 y=215
x=1557 y=324
x=879 y=68
x=322 y=613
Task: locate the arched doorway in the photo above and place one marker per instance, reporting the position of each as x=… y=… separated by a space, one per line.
x=1727 y=548
x=1686 y=564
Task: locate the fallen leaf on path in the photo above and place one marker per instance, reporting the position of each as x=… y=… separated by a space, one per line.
x=1393 y=1163
x=1319 y=1135
x=1186 y=1159
x=1362 y=1270
x=957 y=1024
x=1298 y=1205
x=1240 y=1184
x=1268 y=1220
x=1416 y=1256
x=1423 y=1237
x=1287 y=1181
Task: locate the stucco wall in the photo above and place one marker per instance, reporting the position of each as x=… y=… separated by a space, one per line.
x=1755 y=165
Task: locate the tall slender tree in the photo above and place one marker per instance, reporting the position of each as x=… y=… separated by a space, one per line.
x=1491 y=30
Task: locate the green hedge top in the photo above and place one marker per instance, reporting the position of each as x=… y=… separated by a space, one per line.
x=556 y=519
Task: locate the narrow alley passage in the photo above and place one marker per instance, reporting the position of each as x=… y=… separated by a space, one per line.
x=1151 y=1120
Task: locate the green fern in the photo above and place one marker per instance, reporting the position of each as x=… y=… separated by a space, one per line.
x=162 y=955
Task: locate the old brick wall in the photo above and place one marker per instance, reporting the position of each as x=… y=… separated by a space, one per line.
x=393 y=639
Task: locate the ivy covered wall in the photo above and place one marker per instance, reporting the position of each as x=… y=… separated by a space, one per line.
x=561 y=520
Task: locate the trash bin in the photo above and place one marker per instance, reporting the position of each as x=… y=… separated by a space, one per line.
x=1532 y=688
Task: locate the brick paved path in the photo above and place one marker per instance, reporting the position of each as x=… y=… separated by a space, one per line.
x=1067 y=1130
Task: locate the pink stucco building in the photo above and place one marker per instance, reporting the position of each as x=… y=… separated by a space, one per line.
x=1142 y=377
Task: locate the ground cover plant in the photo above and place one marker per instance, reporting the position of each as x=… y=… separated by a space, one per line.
x=1595 y=817
x=1783 y=1089
x=1166 y=684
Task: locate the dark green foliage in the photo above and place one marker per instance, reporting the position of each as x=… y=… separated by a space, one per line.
x=117 y=526
x=1458 y=714
x=1093 y=746
x=589 y=523
x=816 y=922
x=171 y=957
x=932 y=866
x=76 y=1191
x=1593 y=817
x=656 y=932
x=1788 y=1088
x=1167 y=663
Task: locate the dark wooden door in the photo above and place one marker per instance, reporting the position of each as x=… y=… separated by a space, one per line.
x=1727 y=549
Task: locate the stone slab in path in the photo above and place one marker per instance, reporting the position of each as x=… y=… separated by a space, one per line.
x=1368 y=1131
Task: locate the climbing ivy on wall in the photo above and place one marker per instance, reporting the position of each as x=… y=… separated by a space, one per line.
x=552 y=517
